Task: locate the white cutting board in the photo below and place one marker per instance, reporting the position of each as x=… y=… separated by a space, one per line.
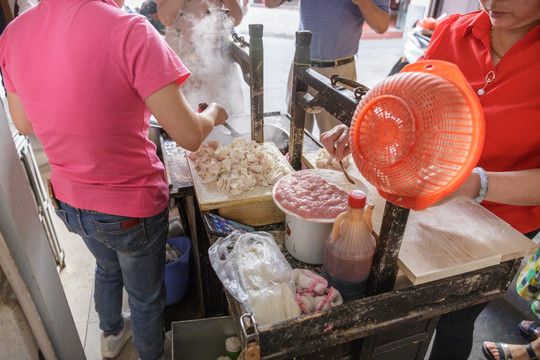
x=450 y=239
x=210 y=196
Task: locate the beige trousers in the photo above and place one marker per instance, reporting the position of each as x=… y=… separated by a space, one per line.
x=325 y=121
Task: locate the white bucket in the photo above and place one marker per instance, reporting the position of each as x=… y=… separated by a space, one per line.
x=305 y=239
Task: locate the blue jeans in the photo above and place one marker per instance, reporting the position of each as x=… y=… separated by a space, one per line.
x=130 y=253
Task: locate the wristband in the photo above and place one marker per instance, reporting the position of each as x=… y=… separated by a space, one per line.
x=483 y=186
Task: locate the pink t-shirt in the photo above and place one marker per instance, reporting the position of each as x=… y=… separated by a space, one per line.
x=82 y=69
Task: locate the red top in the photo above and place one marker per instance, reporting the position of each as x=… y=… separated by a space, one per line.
x=511 y=105
x=357 y=199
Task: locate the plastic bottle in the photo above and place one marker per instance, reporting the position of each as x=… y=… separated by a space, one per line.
x=233 y=347
x=349 y=250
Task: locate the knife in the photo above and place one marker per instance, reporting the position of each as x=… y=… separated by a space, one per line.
x=234 y=133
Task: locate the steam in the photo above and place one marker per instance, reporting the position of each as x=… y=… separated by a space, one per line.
x=202 y=45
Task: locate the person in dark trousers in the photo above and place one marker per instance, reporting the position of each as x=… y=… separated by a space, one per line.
x=336 y=27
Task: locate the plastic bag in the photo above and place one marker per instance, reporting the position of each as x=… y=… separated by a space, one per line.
x=528 y=282
x=256 y=273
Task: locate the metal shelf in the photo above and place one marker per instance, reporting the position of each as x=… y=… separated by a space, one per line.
x=42 y=202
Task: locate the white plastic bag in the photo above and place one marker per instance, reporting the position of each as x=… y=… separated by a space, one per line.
x=255 y=272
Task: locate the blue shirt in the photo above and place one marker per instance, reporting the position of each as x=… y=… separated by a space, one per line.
x=336 y=26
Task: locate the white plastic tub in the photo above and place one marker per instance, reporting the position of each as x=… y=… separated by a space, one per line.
x=305 y=238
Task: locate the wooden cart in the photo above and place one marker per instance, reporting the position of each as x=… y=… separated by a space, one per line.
x=397 y=319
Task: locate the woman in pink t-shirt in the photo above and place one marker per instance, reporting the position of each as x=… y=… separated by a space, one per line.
x=85 y=83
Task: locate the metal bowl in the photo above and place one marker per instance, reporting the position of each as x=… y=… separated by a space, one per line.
x=272 y=132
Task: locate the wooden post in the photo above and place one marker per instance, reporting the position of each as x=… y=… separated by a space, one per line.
x=384 y=272
x=7 y=11
x=256 y=87
x=302 y=61
x=384 y=268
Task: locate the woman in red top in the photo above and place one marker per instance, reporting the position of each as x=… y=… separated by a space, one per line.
x=497 y=50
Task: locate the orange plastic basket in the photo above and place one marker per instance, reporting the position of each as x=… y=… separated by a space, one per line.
x=418 y=134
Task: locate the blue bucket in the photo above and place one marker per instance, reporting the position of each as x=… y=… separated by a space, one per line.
x=177 y=272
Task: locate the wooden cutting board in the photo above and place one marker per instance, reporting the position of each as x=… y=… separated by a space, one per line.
x=450 y=239
x=455 y=238
x=210 y=196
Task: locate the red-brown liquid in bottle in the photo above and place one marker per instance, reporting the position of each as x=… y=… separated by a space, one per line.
x=349 y=250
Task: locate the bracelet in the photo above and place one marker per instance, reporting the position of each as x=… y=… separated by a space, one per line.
x=483 y=185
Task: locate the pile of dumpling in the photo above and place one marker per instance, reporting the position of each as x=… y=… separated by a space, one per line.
x=238 y=167
x=325 y=161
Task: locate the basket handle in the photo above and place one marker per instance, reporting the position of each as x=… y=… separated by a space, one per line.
x=441 y=68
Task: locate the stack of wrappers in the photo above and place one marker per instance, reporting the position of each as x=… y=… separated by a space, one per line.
x=265 y=277
x=312 y=292
x=257 y=274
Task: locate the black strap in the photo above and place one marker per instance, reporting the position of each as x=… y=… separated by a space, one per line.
x=323 y=64
x=530 y=351
x=502 y=354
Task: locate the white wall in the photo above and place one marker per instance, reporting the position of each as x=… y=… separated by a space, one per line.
x=423 y=3
x=459 y=7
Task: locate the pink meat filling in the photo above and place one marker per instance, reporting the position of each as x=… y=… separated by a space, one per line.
x=308 y=195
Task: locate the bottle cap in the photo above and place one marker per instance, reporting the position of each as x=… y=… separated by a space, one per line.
x=232 y=344
x=357 y=199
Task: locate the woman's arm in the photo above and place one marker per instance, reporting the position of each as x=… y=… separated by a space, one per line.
x=515 y=187
x=377 y=18
x=235 y=10
x=520 y=188
x=167 y=10
x=273 y=3
x=186 y=127
x=18 y=115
